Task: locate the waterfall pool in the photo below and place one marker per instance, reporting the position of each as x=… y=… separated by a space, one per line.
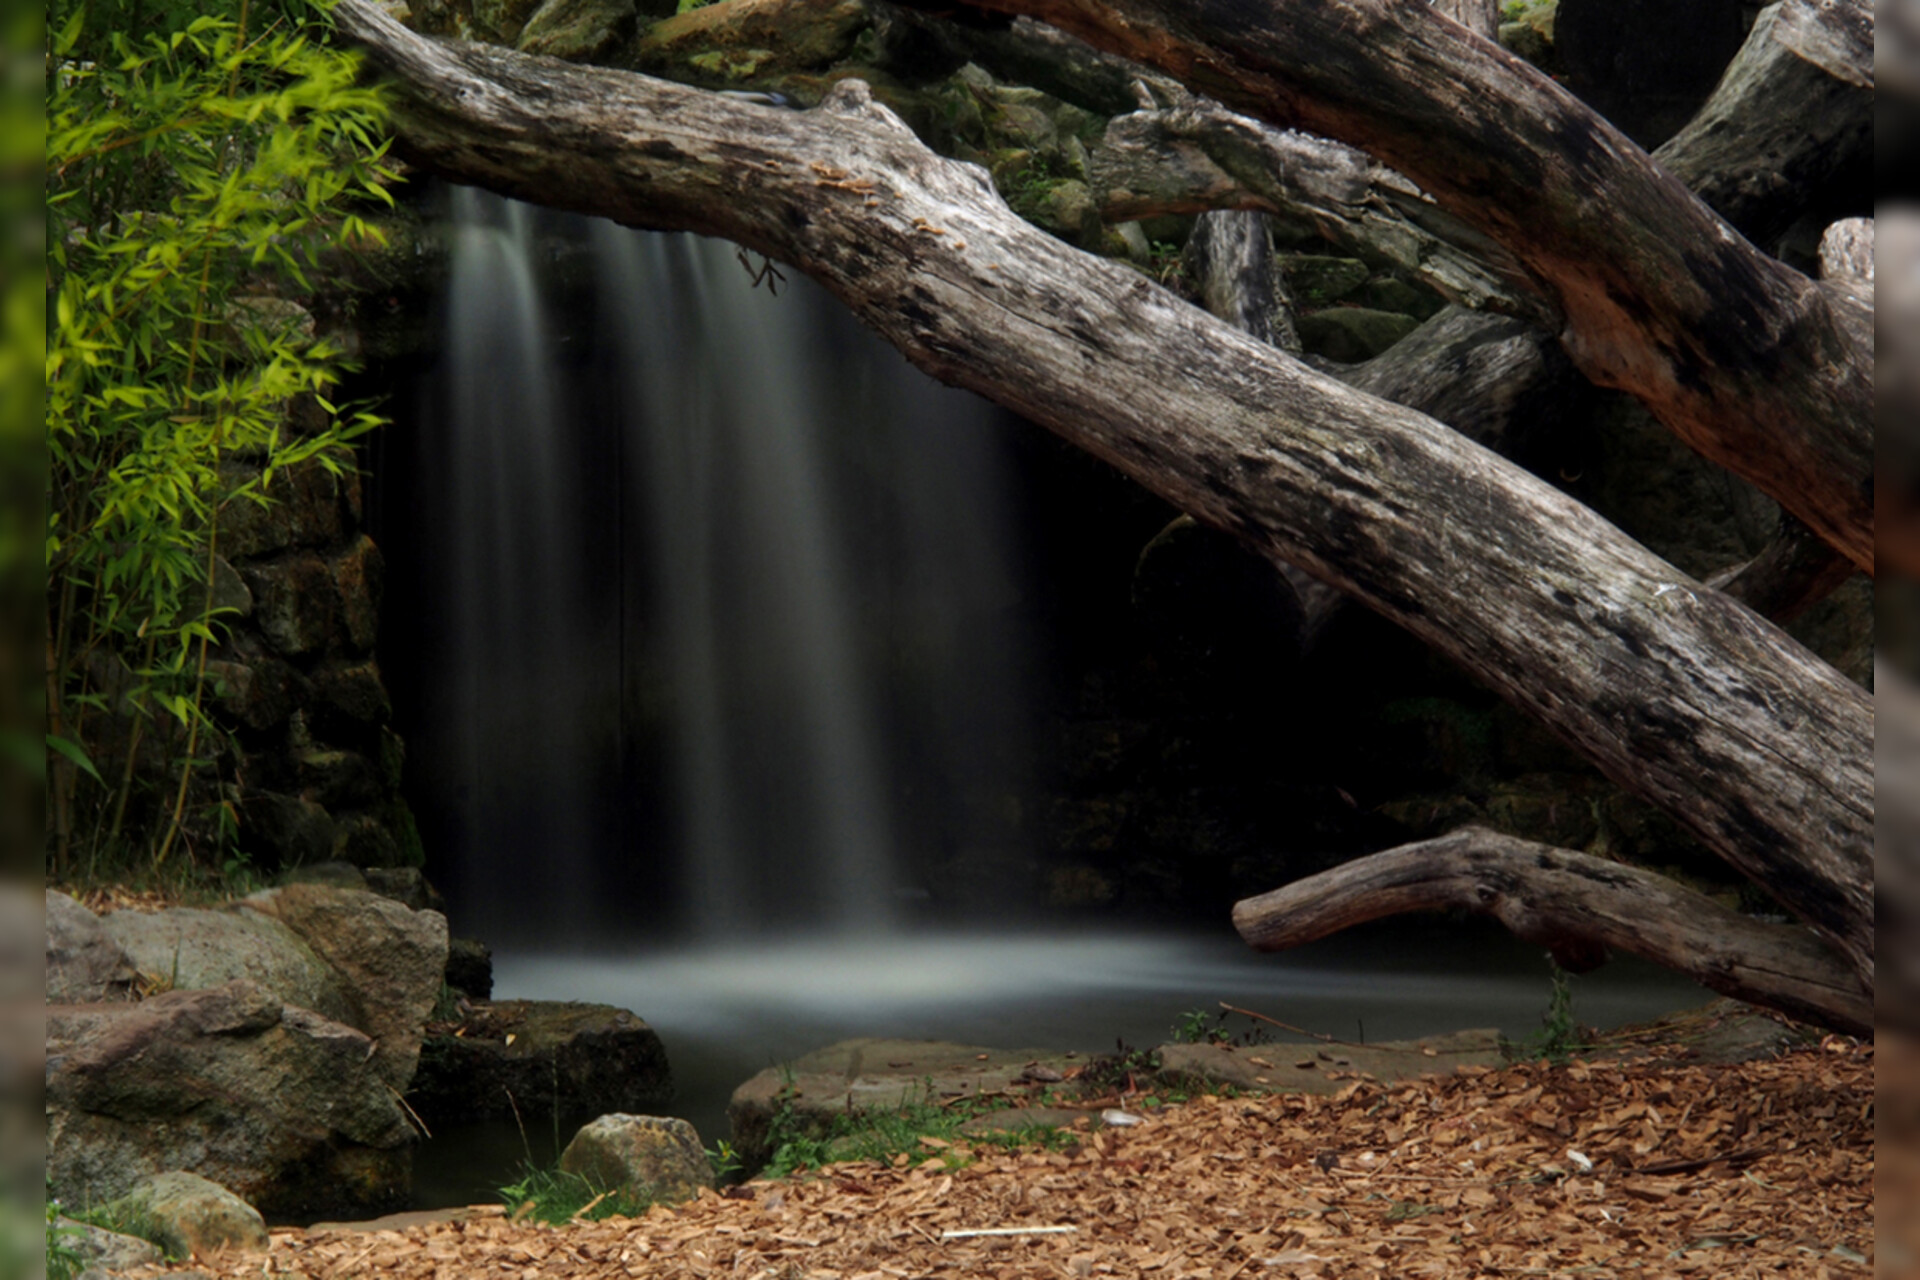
x=727 y=1011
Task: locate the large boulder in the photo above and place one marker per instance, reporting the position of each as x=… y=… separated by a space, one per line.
x=349 y=955
x=193 y=948
x=653 y=1158
x=84 y=963
x=541 y=1058
x=281 y=1106
x=390 y=961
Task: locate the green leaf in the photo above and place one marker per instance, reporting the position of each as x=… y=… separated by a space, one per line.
x=74 y=752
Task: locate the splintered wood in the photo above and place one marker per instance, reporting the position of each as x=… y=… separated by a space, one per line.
x=1652 y=1168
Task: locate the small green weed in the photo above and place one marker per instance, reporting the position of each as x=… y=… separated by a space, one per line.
x=921 y=1130
x=1560 y=1037
x=557 y=1197
x=64 y=1261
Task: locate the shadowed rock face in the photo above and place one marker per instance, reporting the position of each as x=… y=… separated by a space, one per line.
x=281 y=1106
x=540 y=1058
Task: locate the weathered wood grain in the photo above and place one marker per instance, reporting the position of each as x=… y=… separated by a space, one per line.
x=1793 y=113
x=1679 y=694
x=1746 y=360
x=1578 y=906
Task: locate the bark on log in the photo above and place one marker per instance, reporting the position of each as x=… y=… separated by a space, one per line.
x=1578 y=906
x=1491 y=378
x=1679 y=694
x=1230 y=256
x=1482 y=17
x=1197 y=155
x=1792 y=573
x=1746 y=360
x=1792 y=114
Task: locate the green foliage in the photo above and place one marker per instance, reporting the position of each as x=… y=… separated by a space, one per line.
x=64 y=1261
x=198 y=162
x=1560 y=1036
x=920 y=1130
x=556 y=1196
x=1122 y=1069
x=126 y=1217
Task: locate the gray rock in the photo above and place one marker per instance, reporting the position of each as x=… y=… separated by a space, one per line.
x=279 y=1105
x=654 y=1158
x=84 y=963
x=193 y=948
x=390 y=962
x=356 y=691
x=230 y=590
x=566 y=1059
x=195 y=1217
x=103 y=1251
x=337 y=875
x=578 y=29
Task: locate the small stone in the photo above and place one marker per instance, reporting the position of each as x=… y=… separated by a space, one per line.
x=193 y=1216
x=656 y=1158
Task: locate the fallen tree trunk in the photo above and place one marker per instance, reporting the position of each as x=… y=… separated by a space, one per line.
x=1198 y=156
x=1676 y=692
x=1748 y=361
x=1576 y=905
x=1793 y=113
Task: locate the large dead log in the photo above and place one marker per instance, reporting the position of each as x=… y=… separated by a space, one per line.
x=1793 y=113
x=1676 y=692
x=1576 y=905
x=1197 y=155
x=1745 y=359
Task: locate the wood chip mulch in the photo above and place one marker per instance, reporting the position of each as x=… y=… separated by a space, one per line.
x=1649 y=1168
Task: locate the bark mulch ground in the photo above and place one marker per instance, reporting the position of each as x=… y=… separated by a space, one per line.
x=1651 y=1168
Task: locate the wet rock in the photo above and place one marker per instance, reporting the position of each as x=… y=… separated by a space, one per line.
x=549 y=1057
x=655 y=1158
x=871 y=1075
x=276 y=1103
x=84 y=963
x=1352 y=334
x=359 y=577
x=578 y=29
x=1080 y=885
x=337 y=875
x=194 y=1217
x=742 y=38
x=296 y=602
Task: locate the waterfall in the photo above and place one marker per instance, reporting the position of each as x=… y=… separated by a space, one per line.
x=729 y=594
